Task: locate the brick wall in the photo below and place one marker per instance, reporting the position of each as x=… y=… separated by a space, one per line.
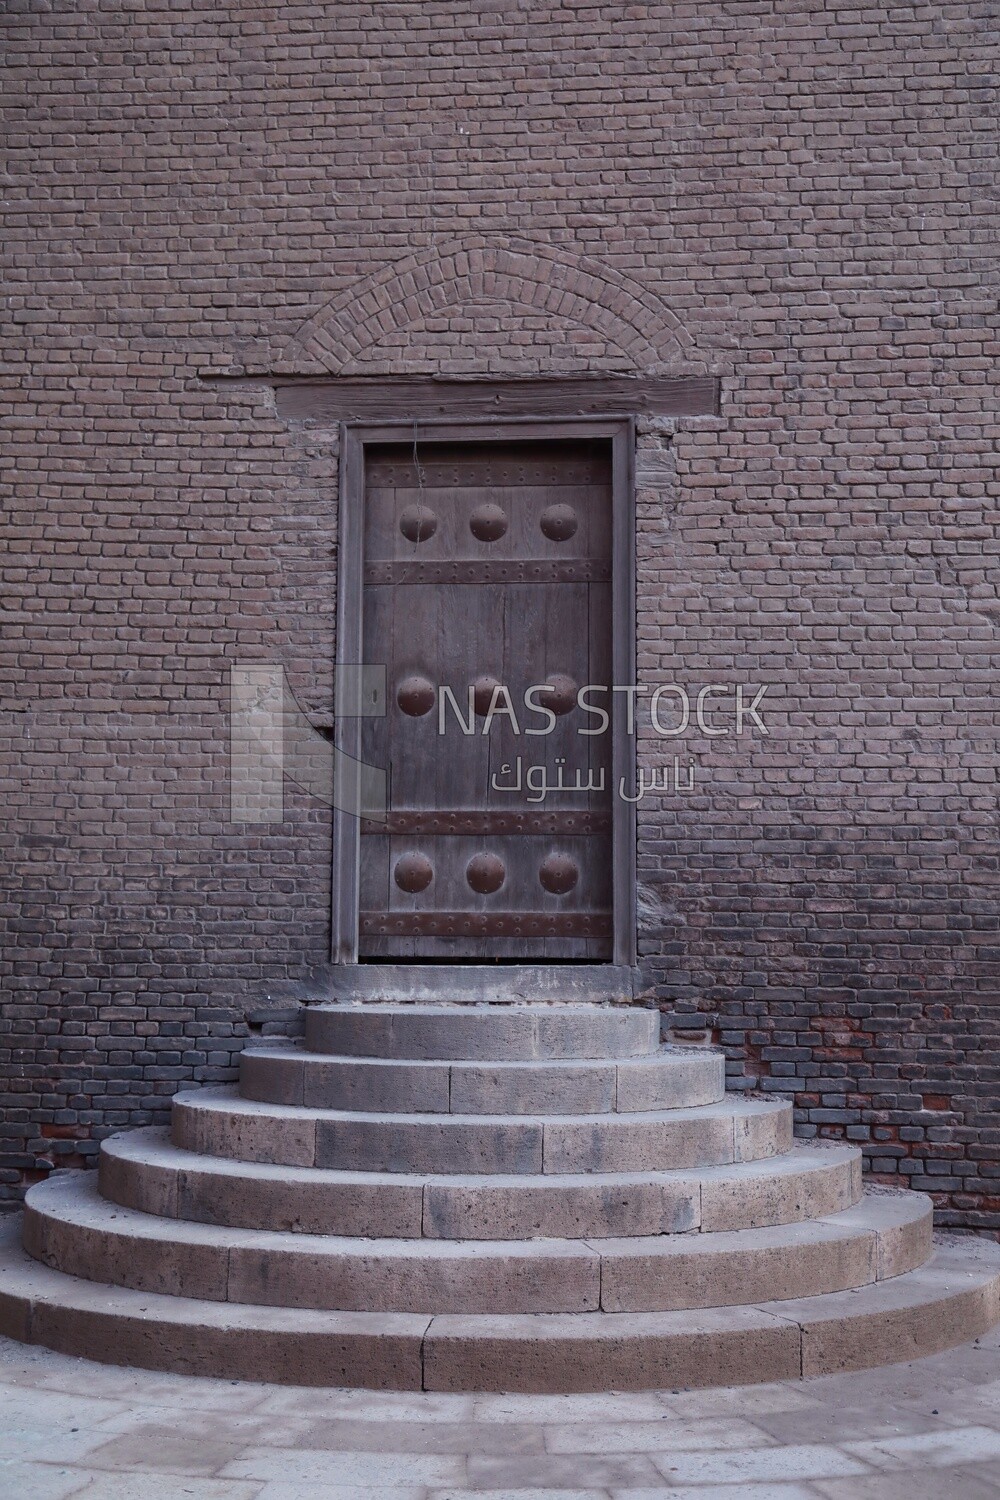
x=794 y=196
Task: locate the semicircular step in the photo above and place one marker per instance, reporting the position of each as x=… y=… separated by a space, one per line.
x=954 y=1297
x=218 y=1122
x=670 y=1078
x=71 y=1228
x=483 y=1032
x=143 y=1169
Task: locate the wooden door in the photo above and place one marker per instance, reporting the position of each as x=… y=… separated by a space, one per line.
x=487 y=572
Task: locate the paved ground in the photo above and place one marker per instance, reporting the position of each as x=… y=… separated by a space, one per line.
x=925 y=1431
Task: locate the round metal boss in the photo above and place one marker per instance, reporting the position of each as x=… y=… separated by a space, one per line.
x=415 y=696
x=558 y=874
x=485 y=873
x=558 y=694
x=418 y=523
x=488 y=523
x=482 y=695
x=413 y=872
x=558 y=523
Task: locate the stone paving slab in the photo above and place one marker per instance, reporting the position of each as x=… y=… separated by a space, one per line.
x=74 y=1430
x=963 y=1483
x=294 y=1491
x=722 y=1492
x=648 y=1437
x=162 y=1487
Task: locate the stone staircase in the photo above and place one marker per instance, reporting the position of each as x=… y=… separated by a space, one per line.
x=486 y=1197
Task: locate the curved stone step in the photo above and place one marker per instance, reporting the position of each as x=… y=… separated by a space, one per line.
x=670 y=1078
x=68 y=1226
x=887 y=1234
x=217 y=1122
x=143 y=1170
x=955 y=1297
x=487 y=1033
x=480 y=984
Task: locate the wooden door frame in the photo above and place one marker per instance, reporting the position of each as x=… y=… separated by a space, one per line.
x=354 y=439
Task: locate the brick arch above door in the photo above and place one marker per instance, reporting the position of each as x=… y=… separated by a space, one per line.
x=437 y=308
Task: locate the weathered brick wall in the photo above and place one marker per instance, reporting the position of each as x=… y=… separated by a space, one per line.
x=795 y=196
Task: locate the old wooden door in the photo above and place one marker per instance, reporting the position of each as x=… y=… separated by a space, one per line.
x=487 y=575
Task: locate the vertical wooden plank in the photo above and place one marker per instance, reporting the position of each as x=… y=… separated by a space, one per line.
x=350 y=647
x=623 y=664
x=374 y=863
